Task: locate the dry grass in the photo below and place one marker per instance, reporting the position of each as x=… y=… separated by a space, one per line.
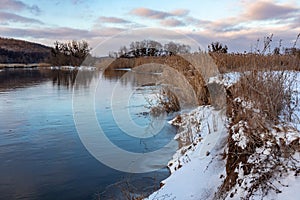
x=258 y=100
x=254 y=107
x=183 y=67
x=241 y=62
x=266 y=91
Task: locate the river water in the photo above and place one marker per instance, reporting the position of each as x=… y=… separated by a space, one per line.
x=41 y=154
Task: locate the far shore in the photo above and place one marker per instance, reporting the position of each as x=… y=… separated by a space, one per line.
x=21 y=65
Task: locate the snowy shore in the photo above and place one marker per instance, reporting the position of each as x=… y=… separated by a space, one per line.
x=198 y=168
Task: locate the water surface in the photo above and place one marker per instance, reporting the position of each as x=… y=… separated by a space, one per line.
x=41 y=155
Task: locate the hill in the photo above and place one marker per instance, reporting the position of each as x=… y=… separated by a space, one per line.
x=20 y=51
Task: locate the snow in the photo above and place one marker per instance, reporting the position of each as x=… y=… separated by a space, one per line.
x=239 y=137
x=201 y=162
x=285 y=135
x=81 y=68
x=287 y=186
x=227 y=79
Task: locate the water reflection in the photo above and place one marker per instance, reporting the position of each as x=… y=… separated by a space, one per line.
x=21 y=78
x=113 y=74
x=135 y=78
x=67 y=78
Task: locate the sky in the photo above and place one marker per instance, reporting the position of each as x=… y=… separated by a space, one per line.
x=107 y=25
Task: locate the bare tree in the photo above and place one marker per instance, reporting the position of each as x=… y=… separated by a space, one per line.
x=69 y=53
x=217 y=47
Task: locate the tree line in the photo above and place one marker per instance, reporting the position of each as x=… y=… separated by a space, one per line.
x=9 y=56
x=20 y=51
x=71 y=53
x=150 y=48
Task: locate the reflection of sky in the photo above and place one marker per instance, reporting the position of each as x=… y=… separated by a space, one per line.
x=236 y=23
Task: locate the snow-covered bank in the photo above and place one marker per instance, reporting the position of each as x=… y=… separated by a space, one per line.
x=199 y=166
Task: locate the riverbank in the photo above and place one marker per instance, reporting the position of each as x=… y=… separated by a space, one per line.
x=204 y=167
x=197 y=167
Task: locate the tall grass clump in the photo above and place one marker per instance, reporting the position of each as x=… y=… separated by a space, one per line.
x=269 y=92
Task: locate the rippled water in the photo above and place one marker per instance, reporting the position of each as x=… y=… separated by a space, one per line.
x=41 y=155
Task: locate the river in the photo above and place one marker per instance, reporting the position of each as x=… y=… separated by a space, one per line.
x=41 y=153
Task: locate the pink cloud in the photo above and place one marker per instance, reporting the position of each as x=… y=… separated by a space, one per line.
x=6 y=17
x=180 y=12
x=114 y=20
x=13 y=5
x=263 y=10
x=149 y=13
x=16 y=5
x=59 y=33
x=156 y=14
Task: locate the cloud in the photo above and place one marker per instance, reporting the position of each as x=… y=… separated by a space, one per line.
x=149 y=13
x=172 y=22
x=295 y=24
x=59 y=33
x=113 y=20
x=15 y=5
x=264 y=10
x=156 y=14
x=6 y=17
x=242 y=40
x=180 y=12
x=268 y=13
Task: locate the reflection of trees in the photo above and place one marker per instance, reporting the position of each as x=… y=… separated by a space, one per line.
x=64 y=77
x=16 y=78
x=113 y=74
x=67 y=78
x=125 y=77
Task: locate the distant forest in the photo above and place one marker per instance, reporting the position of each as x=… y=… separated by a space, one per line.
x=71 y=53
x=19 y=51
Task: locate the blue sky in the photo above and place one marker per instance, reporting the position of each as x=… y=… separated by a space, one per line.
x=237 y=23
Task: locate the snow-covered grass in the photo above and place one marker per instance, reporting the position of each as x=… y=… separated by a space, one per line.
x=223 y=156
